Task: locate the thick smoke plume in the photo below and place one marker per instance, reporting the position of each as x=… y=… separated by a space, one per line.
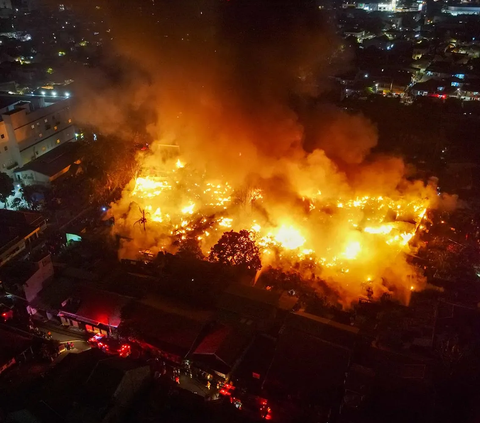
x=237 y=86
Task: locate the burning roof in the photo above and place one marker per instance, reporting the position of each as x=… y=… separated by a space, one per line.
x=260 y=151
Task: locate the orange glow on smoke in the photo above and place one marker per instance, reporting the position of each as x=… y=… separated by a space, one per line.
x=348 y=241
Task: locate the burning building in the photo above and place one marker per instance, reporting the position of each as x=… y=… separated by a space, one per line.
x=353 y=240
x=259 y=151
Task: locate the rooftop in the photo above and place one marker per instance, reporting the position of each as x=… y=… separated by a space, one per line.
x=107 y=375
x=12 y=344
x=254 y=294
x=15 y=225
x=170 y=332
x=17 y=218
x=252 y=370
x=220 y=348
x=10 y=100
x=96 y=306
x=54 y=161
x=70 y=387
x=52 y=295
x=325 y=329
x=307 y=367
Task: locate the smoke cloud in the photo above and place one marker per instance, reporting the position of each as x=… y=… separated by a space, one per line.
x=237 y=85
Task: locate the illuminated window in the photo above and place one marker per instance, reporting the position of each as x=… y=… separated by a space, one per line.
x=33 y=126
x=38 y=123
x=69 y=120
x=43 y=149
x=40 y=135
x=55 y=127
x=58 y=141
x=46 y=120
x=455 y=84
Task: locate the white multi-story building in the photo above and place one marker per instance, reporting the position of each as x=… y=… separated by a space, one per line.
x=31 y=127
x=464 y=9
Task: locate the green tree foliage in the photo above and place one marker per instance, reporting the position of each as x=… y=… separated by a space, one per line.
x=30 y=195
x=17 y=203
x=6 y=187
x=237 y=249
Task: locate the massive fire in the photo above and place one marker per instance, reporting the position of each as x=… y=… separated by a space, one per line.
x=350 y=243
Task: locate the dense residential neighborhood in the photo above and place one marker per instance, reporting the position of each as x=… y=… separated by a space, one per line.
x=218 y=211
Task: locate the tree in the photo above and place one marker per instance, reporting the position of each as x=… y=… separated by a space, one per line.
x=190 y=248
x=17 y=203
x=6 y=187
x=237 y=249
x=30 y=194
x=109 y=163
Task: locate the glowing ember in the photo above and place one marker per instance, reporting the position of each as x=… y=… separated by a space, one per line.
x=383 y=229
x=188 y=209
x=346 y=240
x=225 y=222
x=289 y=238
x=352 y=250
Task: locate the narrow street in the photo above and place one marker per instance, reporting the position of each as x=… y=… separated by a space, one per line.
x=64 y=335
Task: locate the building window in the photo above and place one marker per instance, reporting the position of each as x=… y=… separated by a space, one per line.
x=40 y=135
x=69 y=120
x=33 y=126
x=43 y=148
x=38 y=123
x=2 y=136
x=5 y=148
x=55 y=127
x=47 y=127
x=58 y=141
x=46 y=120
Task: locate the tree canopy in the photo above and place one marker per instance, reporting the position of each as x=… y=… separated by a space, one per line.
x=109 y=164
x=31 y=195
x=6 y=187
x=190 y=248
x=237 y=249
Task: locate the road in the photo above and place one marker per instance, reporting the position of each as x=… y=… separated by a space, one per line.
x=194 y=385
x=63 y=335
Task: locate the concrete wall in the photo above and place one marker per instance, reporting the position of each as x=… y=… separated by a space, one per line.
x=35 y=283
